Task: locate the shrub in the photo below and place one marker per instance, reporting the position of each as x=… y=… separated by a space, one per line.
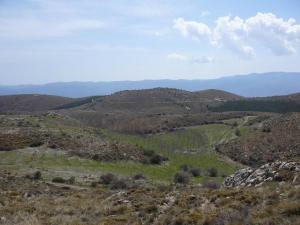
x=266 y=129
x=156 y=159
x=94 y=184
x=37 y=175
x=148 y=153
x=53 y=146
x=237 y=132
x=196 y=172
x=71 y=180
x=182 y=177
x=184 y=168
x=212 y=172
x=119 y=184
x=139 y=176
x=58 y=180
x=211 y=185
x=107 y=178
x=36 y=143
x=235 y=124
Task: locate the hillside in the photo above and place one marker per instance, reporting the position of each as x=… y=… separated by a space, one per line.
x=279 y=104
x=277 y=138
x=251 y=85
x=31 y=102
x=108 y=181
x=148 y=157
x=218 y=95
x=151 y=110
x=161 y=100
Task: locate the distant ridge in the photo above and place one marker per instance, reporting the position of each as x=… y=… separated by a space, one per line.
x=251 y=85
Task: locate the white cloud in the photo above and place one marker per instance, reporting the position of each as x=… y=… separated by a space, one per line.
x=243 y=36
x=176 y=56
x=192 y=28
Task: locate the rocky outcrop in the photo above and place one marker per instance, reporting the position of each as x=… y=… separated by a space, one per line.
x=276 y=171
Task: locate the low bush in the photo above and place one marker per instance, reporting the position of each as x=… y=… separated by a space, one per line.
x=53 y=146
x=156 y=159
x=212 y=172
x=235 y=124
x=266 y=129
x=184 y=168
x=36 y=143
x=139 y=176
x=71 y=180
x=148 y=153
x=196 y=172
x=107 y=178
x=94 y=184
x=37 y=175
x=119 y=184
x=58 y=180
x=237 y=132
x=211 y=185
x=182 y=177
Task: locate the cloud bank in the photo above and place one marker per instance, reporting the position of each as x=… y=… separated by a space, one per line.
x=243 y=36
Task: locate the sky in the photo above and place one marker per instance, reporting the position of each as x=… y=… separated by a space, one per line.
x=44 y=41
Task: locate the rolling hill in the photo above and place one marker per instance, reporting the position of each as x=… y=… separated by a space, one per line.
x=159 y=100
x=31 y=102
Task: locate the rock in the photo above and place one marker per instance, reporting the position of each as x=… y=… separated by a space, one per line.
x=276 y=171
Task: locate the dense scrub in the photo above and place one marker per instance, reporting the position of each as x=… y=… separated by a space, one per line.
x=278 y=106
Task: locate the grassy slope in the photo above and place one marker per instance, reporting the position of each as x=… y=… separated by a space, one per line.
x=192 y=146
x=15 y=160
x=197 y=141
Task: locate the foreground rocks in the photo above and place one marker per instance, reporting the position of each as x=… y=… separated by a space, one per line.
x=276 y=171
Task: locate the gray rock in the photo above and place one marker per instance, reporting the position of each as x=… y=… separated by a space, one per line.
x=266 y=173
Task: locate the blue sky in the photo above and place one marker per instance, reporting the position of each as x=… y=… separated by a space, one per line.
x=45 y=41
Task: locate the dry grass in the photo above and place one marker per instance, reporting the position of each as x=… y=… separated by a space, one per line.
x=49 y=204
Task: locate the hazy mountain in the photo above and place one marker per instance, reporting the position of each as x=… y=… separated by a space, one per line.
x=264 y=84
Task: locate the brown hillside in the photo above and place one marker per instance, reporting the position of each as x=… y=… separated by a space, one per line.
x=151 y=110
x=279 y=138
x=218 y=95
x=160 y=100
x=31 y=102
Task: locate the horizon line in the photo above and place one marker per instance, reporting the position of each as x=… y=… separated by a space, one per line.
x=163 y=79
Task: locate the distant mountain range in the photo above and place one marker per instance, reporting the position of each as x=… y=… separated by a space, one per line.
x=251 y=85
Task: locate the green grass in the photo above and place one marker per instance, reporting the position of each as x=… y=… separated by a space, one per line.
x=22 y=160
x=199 y=139
x=175 y=145
x=192 y=146
x=245 y=131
